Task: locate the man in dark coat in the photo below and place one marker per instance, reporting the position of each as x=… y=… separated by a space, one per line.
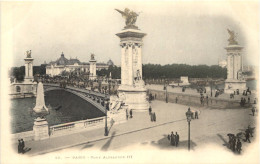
x=131 y=113
x=150 y=110
x=196 y=115
x=172 y=139
x=177 y=139
x=239 y=146
x=247 y=136
x=253 y=111
x=19 y=146
x=154 y=117
x=22 y=146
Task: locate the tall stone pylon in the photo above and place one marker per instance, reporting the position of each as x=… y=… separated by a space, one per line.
x=132 y=89
x=235 y=80
x=28 y=67
x=92 y=67
x=40 y=128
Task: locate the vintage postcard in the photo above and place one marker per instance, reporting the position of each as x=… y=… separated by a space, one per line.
x=129 y=82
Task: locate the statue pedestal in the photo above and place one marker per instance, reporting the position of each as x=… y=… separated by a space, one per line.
x=134 y=97
x=232 y=85
x=40 y=129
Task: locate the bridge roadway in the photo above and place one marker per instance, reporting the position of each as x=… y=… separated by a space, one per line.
x=97 y=99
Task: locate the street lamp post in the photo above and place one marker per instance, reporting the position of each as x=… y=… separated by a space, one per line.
x=106 y=129
x=188 y=115
x=165 y=87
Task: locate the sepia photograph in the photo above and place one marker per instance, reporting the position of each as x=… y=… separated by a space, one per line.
x=129 y=82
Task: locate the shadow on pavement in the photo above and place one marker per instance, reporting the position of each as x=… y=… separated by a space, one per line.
x=107 y=144
x=27 y=149
x=164 y=143
x=87 y=146
x=222 y=138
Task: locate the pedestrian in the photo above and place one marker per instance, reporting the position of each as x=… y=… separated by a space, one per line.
x=176 y=100
x=172 y=139
x=150 y=110
x=253 y=111
x=131 y=113
x=151 y=115
x=239 y=146
x=126 y=112
x=230 y=142
x=207 y=99
x=177 y=139
x=247 y=136
x=196 y=115
x=255 y=101
x=169 y=137
x=19 y=146
x=248 y=100
x=154 y=117
x=22 y=146
x=250 y=130
x=234 y=144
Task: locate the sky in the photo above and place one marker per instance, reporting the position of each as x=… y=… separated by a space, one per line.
x=177 y=32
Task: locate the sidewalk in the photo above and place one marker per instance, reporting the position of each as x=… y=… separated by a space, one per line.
x=141 y=128
x=190 y=91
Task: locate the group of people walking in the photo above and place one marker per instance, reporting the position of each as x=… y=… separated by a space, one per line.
x=234 y=142
x=234 y=145
x=174 y=139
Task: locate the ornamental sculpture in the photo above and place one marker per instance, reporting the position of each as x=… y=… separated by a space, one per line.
x=92 y=57
x=129 y=16
x=232 y=38
x=28 y=54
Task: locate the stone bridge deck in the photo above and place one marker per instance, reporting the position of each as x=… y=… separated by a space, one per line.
x=95 y=98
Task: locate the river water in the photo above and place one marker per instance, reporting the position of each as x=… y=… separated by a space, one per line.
x=72 y=109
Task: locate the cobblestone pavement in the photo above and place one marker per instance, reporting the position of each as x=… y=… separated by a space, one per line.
x=212 y=127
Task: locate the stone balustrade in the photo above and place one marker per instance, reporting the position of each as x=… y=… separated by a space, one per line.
x=65 y=129
x=73 y=127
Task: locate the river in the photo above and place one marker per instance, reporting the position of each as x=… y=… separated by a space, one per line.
x=72 y=108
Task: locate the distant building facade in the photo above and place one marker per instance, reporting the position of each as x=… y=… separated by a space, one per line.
x=222 y=63
x=55 y=68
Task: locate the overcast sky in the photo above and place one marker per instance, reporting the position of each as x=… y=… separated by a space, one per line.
x=187 y=32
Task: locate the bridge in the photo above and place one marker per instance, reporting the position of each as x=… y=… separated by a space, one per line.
x=95 y=98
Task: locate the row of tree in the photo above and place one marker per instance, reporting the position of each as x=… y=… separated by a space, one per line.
x=150 y=71
x=19 y=72
x=157 y=71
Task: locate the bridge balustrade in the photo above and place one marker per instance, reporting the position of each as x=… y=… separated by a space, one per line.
x=77 y=126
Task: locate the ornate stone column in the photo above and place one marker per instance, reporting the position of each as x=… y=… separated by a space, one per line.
x=139 y=63
x=130 y=64
x=28 y=68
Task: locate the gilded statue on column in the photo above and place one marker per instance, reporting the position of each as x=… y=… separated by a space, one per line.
x=129 y=16
x=28 y=54
x=232 y=38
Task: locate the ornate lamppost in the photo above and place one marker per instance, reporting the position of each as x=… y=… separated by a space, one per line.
x=106 y=129
x=188 y=115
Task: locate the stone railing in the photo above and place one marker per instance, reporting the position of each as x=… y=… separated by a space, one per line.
x=65 y=129
x=73 y=127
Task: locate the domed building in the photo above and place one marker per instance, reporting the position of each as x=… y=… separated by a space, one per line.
x=110 y=63
x=55 y=68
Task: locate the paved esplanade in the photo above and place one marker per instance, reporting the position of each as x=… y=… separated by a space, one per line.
x=212 y=126
x=189 y=91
